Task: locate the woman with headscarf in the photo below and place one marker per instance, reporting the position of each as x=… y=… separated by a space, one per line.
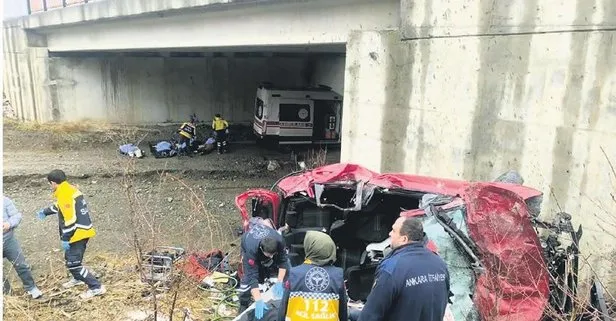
x=315 y=290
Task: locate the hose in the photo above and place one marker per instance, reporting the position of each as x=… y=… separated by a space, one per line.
x=228 y=292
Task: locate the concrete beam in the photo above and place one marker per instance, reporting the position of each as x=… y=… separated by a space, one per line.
x=121 y=9
x=297 y=23
x=453 y=18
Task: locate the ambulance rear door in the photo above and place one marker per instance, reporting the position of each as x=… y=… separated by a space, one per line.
x=295 y=118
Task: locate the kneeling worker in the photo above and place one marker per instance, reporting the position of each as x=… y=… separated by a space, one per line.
x=188 y=133
x=315 y=290
x=263 y=252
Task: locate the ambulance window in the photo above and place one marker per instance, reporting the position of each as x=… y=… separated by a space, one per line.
x=259 y=108
x=295 y=112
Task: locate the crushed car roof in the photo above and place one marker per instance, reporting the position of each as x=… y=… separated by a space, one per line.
x=351 y=172
x=514 y=282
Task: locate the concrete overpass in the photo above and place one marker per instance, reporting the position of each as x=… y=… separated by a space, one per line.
x=155 y=61
x=460 y=89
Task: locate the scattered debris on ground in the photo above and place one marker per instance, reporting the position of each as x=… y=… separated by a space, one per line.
x=127 y=297
x=189 y=201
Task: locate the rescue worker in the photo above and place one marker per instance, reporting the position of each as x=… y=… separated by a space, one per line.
x=221 y=127
x=188 y=134
x=75 y=227
x=412 y=282
x=315 y=290
x=12 y=251
x=263 y=252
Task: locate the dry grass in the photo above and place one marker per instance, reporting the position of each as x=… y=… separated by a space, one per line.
x=59 y=127
x=148 y=233
x=120 y=274
x=125 y=293
x=62 y=135
x=316 y=158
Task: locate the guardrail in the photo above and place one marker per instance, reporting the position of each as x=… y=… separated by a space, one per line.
x=35 y=6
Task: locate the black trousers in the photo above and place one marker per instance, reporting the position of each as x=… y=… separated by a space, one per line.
x=74 y=257
x=221 y=140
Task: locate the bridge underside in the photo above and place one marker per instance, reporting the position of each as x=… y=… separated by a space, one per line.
x=160 y=66
x=167 y=86
x=266 y=24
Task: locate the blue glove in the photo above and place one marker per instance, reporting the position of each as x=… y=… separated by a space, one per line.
x=260 y=307
x=278 y=290
x=66 y=245
x=41 y=215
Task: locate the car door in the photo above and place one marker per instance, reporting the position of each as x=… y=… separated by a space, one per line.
x=263 y=203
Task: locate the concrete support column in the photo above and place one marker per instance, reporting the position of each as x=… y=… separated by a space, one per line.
x=377 y=95
x=26 y=82
x=472 y=107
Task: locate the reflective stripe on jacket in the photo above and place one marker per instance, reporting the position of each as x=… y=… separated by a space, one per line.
x=74 y=221
x=314 y=292
x=188 y=130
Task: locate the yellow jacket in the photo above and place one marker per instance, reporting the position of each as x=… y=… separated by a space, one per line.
x=73 y=214
x=219 y=124
x=188 y=130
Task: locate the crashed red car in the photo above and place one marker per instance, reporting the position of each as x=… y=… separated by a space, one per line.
x=487 y=232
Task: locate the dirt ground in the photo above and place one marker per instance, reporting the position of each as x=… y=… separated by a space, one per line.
x=180 y=201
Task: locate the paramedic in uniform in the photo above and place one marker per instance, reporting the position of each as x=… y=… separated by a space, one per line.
x=412 y=282
x=75 y=230
x=315 y=290
x=188 y=132
x=263 y=252
x=220 y=126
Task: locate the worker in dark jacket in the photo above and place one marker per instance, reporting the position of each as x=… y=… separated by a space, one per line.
x=188 y=134
x=412 y=283
x=263 y=253
x=221 y=127
x=315 y=290
x=75 y=227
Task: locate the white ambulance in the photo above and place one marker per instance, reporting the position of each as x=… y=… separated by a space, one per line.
x=307 y=115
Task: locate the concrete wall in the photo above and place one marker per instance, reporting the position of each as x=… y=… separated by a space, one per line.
x=158 y=89
x=294 y=23
x=447 y=18
x=472 y=107
x=329 y=71
x=24 y=72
